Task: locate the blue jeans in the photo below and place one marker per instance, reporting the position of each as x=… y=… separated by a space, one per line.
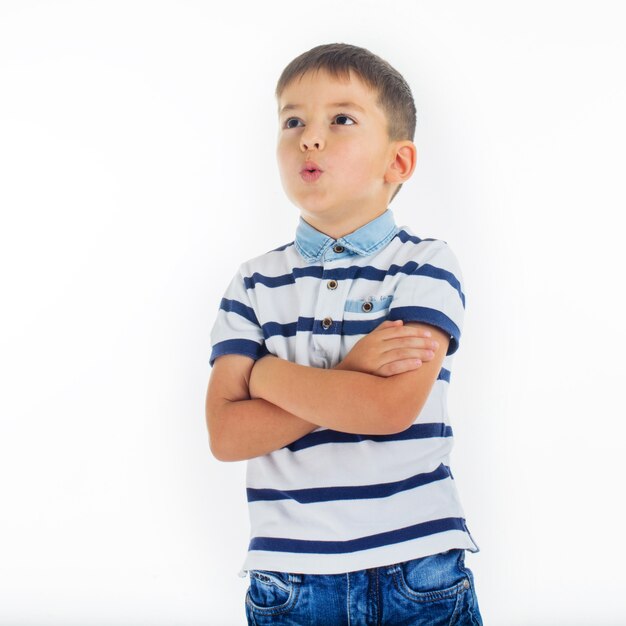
x=435 y=590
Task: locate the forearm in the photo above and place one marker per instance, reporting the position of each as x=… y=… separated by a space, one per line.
x=250 y=428
x=343 y=400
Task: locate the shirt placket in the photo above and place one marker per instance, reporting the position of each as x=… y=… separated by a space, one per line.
x=330 y=305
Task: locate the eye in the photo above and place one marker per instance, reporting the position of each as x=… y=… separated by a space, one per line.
x=338 y=116
x=346 y=117
x=286 y=124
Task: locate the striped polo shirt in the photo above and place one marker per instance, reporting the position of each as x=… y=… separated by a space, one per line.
x=334 y=502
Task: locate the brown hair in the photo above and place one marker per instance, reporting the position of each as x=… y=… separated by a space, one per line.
x=394 y=94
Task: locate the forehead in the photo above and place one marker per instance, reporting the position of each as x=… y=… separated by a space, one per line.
x=320 y=87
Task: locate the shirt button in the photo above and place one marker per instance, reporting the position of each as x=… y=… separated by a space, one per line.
x=466 y=584
x=332 y=284
x=367 y=306
x=327 y=322
x=338 y=248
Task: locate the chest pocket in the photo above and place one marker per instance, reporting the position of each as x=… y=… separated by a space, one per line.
x=368 y=306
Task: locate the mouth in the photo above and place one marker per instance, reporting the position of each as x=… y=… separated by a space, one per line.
x=310 y=176
x=311 y=166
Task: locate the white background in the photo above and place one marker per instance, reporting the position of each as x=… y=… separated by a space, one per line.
x=137 y=171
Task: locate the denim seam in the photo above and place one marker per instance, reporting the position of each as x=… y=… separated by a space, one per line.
x=457 y=608
x=270 y=578
x=470 y=589
x=348 y=599
x=377 y=600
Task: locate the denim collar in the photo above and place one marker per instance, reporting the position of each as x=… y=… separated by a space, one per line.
x=312 y=244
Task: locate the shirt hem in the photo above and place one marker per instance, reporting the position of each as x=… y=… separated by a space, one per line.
x=365 y=559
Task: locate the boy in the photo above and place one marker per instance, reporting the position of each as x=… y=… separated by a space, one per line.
x=331 y=361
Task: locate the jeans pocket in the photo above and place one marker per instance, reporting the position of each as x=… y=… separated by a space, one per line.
x=431 y=587
x=433 y=577
x=271 y=593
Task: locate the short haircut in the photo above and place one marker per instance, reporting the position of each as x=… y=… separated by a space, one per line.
x=394 y=94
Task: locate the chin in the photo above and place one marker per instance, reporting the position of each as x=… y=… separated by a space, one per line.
x=315 y=209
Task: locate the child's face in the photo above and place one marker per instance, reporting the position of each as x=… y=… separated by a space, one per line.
x=349 y=144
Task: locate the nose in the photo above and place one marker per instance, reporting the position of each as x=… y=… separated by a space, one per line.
x=311 y=138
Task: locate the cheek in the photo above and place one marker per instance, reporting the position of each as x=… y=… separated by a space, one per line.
x=359 y=165
x=280 y=150
x=356 y=155
x=287 y=147
x=282 y=157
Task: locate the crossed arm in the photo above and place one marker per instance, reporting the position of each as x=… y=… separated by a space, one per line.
x=253 y=408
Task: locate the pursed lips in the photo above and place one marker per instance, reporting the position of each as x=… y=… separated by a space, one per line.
x=311 y=166
x=310 y=172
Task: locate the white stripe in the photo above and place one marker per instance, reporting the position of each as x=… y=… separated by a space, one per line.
x=360 y=518
x=347 y=464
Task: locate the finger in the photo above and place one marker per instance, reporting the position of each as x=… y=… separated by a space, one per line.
x=409 y=353
x=399 y=367
x=424 y=355
x=389 y=323
x=424 y=343
x=406 y=331
x=419 y=331
x=402 y=331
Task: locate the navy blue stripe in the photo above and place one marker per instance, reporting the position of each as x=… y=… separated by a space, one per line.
x=441 y=274
x=415 y=431
x=346 y=327
x=304 y=324
x=358 y=327
x=362 y=327
x=353 y=492
x=413 y=269
x=234 y=306
x=444 y=374
x=271 y=329
x=314 y=271
x=278 y=544
x=403 y=236
x=309 y=324
x=245 y=347
x=355 y=272
x=428 y=316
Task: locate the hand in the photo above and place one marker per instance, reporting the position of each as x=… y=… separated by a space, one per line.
x=391 y=348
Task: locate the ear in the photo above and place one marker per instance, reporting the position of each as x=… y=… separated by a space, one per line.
x=403 y=161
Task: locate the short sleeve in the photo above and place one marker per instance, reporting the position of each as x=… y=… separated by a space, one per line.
x=432 y=292
x=236 y=329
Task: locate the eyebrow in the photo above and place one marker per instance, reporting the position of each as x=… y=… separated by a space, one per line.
x=353 y=105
